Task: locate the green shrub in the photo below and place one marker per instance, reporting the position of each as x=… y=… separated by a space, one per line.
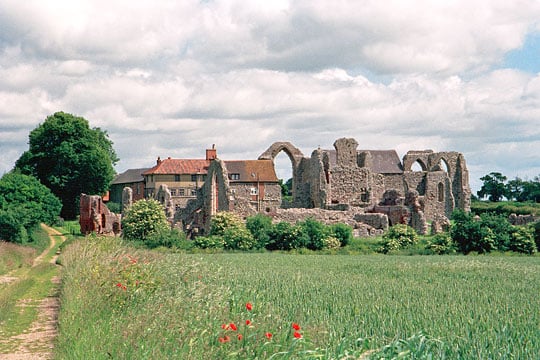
x=501 y=227
x=536 y=232
x=343 y=232
x=114 y=207
x=398 y=237
x=144 y=219
x=170 y=238
x=316 y=233
x=209 y=242
x=260 y=226
x=332 y=243
x=238 y=238
x=441 y=244
x=285 y=236
x=523 y=240
x=466 y=233
x=222 y=221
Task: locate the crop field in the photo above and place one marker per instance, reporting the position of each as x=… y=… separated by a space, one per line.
x=123 y=303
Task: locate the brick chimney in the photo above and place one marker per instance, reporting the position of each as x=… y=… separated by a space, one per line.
x=211 y=154
x=158 y=161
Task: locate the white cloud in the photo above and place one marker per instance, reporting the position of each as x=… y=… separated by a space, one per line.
x=171 y=78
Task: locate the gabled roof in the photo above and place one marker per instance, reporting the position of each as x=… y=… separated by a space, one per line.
x=129 y=176
x=385 y=161
x=251 y=170
x=382 y=161
x=179 y=166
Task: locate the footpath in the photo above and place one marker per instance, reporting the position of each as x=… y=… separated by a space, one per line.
x=31 y=332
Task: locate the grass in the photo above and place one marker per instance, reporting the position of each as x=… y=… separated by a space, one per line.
x=28 y=285
x=120 y=302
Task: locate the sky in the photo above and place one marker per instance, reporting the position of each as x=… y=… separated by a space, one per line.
x=171 y=78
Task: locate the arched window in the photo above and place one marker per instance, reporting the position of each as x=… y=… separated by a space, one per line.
x=418 y=165
x=440 y=191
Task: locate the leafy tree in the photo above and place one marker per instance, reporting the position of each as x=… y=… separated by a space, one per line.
x=24 y=203
x=143 y=220
x=531 y=190
x=70 y=158
x=493 y=186
x=514 y=189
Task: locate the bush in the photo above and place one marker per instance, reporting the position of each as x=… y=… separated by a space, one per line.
x=285 y=236
x=114 y=207
x=24 y=204
x=233 y=231
x=316 y=233
x=260 y=227
x=467 y=233
x=171 y=238
x=501 y=227
x=441 y=244
x=523 y=240
x=209 y=242
x=398 y=237
x=143 y=220
x=332 y=243
x=343 y=232
x=536 y=232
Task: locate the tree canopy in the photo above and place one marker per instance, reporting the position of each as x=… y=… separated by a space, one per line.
x=70 y=158
x=495 y=187
x=24 y=203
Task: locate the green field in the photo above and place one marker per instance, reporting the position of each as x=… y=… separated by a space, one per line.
x=122 y=303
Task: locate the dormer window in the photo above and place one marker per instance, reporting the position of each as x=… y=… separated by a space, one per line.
x=234 y=176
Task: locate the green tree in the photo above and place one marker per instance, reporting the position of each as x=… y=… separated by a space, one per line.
x=143 y=220
x=70 y=158
x=493 y=187
x=24 y=203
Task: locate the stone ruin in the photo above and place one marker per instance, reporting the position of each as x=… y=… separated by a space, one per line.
x=96 y=217
x=368 y=189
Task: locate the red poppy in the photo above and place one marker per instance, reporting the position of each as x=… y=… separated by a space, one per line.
x=295 y=326
x=297 y=335
x=226 y=338
x=239 y=337
x=232 y=326
x=268 y=335
x=224 y=326
x=221 y=340
x=248 y=322
x=119 y=285
x=249 y=307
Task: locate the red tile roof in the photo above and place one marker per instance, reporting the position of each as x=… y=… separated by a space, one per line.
x=252 y=170
x=179 y=166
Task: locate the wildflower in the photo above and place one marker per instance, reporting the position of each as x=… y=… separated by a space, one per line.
x=268 y=336
x=224 y=326
x=232 y=327
x=248 y=322
x=119 y=285
x=297 y=335
x=295 y=326
x=249 y=307
x=240 y=337
x=226 y=338
x=222 y=339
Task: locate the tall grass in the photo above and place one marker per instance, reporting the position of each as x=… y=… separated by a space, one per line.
x=122 y=303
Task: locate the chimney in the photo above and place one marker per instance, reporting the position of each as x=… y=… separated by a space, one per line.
x=158 y=160
x=211 y=154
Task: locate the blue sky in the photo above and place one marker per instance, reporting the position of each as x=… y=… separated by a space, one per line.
x=168 y=78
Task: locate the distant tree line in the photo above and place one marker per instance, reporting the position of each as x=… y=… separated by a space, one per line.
x=496 y=187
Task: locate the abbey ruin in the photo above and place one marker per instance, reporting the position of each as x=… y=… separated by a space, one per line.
x=368 y=189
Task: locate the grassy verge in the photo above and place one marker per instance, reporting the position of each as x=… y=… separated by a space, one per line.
x=123 y=303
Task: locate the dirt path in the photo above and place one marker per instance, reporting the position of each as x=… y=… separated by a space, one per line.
x=37 y=342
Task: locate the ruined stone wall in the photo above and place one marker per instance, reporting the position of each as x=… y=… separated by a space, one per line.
x=363 y=224
x=96 y=217
x=436 y=202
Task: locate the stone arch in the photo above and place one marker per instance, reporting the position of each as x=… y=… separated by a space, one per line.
x=423 y=166
x=442 y=162
x=294 y=154
x=417 y=156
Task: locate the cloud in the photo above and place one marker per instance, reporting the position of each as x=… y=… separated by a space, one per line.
x=173 y=78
